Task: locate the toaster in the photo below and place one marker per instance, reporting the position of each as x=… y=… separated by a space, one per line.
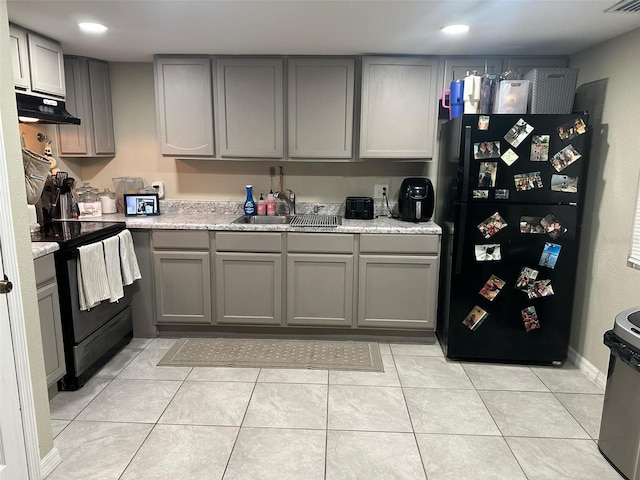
x=360 y=208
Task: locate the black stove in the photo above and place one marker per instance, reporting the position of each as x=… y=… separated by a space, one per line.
x=69 y=234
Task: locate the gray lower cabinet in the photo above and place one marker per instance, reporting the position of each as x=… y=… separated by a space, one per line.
x=89 y=98
x=184 y=106
x=398 y=107
x=182 y=277
x=50 y=320
x=250 y=111
x=320 y=279
x=398 y=281
x=248 y=285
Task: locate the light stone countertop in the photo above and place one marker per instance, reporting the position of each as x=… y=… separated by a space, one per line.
x=40 y=249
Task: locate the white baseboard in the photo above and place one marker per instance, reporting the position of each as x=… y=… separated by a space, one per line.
x=586 y=367
x=50 y=461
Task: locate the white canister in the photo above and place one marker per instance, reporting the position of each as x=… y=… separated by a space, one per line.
x=108 y=201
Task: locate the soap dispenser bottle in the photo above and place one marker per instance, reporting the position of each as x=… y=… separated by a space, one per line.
x=262 y=206
x=271 y=204
x=249 y=203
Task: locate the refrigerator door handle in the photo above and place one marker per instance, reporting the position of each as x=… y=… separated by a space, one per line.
x=459 y=238
x=466 y=162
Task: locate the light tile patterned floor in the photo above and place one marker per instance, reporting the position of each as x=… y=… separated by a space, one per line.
x=425 y=417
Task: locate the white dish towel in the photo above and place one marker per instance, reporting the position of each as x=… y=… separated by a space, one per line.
x=93 y=283
x=128 y=259
x=112 y=261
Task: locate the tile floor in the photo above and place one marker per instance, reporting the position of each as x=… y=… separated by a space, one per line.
x=425 y=417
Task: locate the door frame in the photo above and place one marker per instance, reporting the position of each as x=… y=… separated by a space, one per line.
x=17 y=321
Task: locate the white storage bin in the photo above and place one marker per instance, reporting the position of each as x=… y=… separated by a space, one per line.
x=512 y=97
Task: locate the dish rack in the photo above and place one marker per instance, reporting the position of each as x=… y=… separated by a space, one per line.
x=316 y=221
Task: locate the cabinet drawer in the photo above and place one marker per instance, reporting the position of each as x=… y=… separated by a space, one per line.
x=182 y=239
x=320 y=242
x=45 y=269
x=399 y=243
x=248 y=242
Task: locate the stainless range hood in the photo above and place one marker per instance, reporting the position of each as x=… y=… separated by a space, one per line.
x=43 y=110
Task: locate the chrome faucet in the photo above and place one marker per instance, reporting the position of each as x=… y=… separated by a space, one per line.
x=290 y=199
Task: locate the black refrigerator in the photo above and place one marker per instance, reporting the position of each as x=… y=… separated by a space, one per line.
x=510 y=191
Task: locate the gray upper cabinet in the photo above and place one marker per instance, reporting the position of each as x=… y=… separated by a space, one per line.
x=524 y=64
x=250 y=112
x=320 y=107
x=398 y=109
x=19 y=58
x=184 y=106
x=89 y=98
x=456 y=68
x=46 y=64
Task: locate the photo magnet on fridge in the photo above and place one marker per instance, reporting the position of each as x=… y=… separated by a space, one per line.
x=563 y=183
x=484 y=150
x=480 y=194
x=518 y=133
x=552 y=226
x=527 y=181
x=492 y=225
x=483 y=122
x=564 y=158
x=541 y=288
x=488 y=252
x=487 y=174
x=509 y=157
x=531 y=225
x=530 y=319
x=539 y=148
x=572 y=129
x=526 y=279
x=492 y=288
x=502 y=194
x=475 y=318
x=550 y=255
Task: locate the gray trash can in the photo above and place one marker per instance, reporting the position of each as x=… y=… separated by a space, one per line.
x=619 y=439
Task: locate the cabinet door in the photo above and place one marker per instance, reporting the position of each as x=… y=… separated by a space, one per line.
x=101 y=113
x=320 y=107
x=183 y=287
x=184 y=106
x=47 y=65
x=248 y=288
x=456 y=68
x=250 y=107
x=398 y=107
x=51 y=331
x=397 y=291
x=72 y=139
x=320 y=290
x=524 y=64
x=19 y=58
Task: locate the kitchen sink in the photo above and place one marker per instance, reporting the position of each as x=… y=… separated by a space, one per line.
x=264 y=219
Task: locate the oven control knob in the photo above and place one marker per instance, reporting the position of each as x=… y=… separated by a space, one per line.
x=5 y=285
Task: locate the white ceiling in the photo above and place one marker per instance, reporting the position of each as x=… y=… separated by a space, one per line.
x=140 y=28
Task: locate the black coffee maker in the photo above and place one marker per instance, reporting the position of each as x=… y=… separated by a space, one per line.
x=415 y=199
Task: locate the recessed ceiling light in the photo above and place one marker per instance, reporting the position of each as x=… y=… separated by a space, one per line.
x=455 y=29
x=92 y=27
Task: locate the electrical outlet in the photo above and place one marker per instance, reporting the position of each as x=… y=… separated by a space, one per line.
x=379 y=189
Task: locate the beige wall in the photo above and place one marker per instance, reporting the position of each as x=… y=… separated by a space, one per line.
x=15 y=176
x=605 y=284
x=138 y=155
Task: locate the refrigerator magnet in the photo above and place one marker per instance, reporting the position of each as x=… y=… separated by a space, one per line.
x=541 y=288
x=509 y=157
x=531 y=225
x=572 y=129
x=527 y=181
x=487 y=174
x=483 y=122
x=518 y=133
x=564 y=183
x=550 y=255
x=564 y=158
x=492 y=288
x=488 y=253
x=539 y=148
x=502 y=194
x=484 y=150
x=475 y=318
x=530 y=319
x=552 y=226
x=480 y=194
x=526 y=279
x=492 y=225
